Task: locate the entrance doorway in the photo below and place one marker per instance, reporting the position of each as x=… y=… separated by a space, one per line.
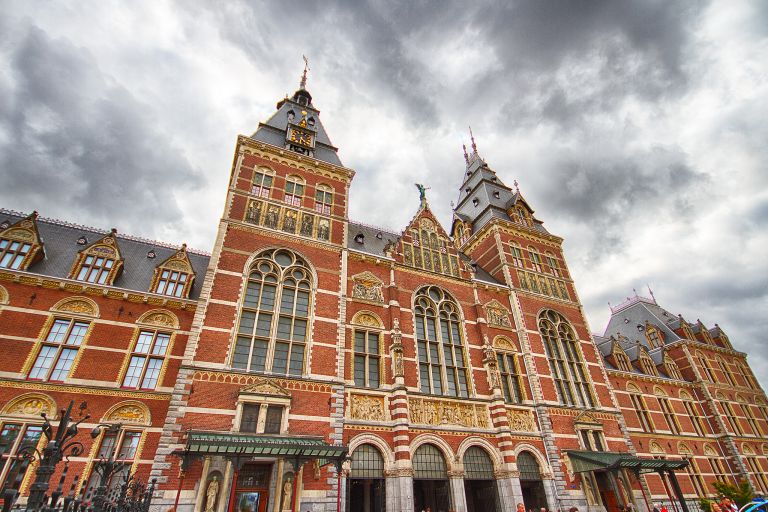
x=479 y=484
x=366 y=488
x=606 y=491
x=534 y=497
x=431 y=489
x=251 y=488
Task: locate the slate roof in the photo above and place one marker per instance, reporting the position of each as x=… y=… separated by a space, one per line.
x=273 y=130
x=61 y=249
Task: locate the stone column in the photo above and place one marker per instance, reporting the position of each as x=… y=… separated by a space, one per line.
x=399 y=489
x=508 y=489
x=458 y=496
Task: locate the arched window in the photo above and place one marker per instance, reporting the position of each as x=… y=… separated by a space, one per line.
x=273 y=326
x=517 y=255
x=565 y=360
x=670 y=367
x=621 y=358
x=528 y=466
x=692 y=411
x=646 y=364
x=429 y=463
x=294 y=190
x=262 y=182
x=477 y=464
x=323 y=199
x=430 y=250
x=442 y=366
x=367 y=350
x=367 y=462
x=704 y=362
x=655 y=338
x=726 y=371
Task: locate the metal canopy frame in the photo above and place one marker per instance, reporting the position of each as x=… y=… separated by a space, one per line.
x=593 y=461
x=299 y=449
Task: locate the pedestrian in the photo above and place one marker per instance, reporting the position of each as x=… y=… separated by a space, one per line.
x=656 y=507
x=520 y=507
x=573 y=509
x=664 y=508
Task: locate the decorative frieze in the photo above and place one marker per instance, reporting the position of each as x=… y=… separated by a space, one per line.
x=367 y=408
x=443 y=412
x=497 y=315
x=521 y=420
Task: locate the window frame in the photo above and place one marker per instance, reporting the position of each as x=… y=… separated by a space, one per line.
x=266 y=265
x=264 y=403
x=130 y=463
x=567 y=364
x=13 y=258
x=427 y=349
x=518 y=260
x=148 y=356
x=179 y=283
x=324 y=204
x=295 y=187
x=368 y=357
x=9 y=458
x=59 y=347
x=508 y=362
x=260 y=175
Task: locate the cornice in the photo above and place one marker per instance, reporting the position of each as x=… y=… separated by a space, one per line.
x=649 y=378
x=510 y=228
x=84 y=390
x=70 y=285
x=246 y=145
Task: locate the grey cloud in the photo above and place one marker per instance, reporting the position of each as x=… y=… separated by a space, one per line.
x=79 y=145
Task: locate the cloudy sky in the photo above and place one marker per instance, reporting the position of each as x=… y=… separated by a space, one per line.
x=637 y=130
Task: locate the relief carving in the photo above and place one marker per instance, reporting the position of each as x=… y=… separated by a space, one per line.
x=521 y=420
x=497 y=314
x=77 y=305
x=366 y=320
x=367 y=286
x=129 y=414
x=160 y=319
x=265 y=387
x=367 y=408
x=440 y=412
x=32 y=406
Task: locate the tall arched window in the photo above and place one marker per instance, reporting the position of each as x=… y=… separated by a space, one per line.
x=273 y=327
x=565 y=360
x=442 y=366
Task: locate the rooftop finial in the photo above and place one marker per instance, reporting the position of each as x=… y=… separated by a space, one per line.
x=303 y=83
x=652 y=295
x=517 y=187
x=472 y=136
x=466 y=156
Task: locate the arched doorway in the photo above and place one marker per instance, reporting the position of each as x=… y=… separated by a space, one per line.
x=479 y=483
x=531 y=482
x=366 y=487
x=431 y=488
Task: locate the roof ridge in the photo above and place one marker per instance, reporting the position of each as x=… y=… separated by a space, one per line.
x=372 y=226
x=133 y=238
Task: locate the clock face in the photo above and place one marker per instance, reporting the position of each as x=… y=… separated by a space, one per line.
x=300 y=137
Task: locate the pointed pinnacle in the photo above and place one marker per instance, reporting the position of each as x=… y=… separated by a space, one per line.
x=303 y=83
x=472 y=136
x=466 y=156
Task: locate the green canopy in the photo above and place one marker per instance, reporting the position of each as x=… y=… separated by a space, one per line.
x=220 y=443
x=582 y=461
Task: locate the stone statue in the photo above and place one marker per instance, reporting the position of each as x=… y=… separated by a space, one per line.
x=211 y=494
x=287 y=493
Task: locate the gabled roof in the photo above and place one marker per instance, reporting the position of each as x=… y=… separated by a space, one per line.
x=62 y=248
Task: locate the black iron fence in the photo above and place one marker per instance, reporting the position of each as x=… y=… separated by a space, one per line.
x=110 y=488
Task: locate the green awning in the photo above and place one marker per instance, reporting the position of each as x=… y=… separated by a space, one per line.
x=582 y=461
x=304 y=447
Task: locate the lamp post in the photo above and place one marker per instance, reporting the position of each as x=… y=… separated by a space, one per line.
x=59 y=446
x=106 y=467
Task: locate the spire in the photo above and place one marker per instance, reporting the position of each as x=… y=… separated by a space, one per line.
x=472 y=136
x=466 y=156
x=303 y=82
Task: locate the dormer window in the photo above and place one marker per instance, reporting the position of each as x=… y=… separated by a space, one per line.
x=174 y=276
x=496 y=194
x=475 y=201
x=20 y=244
x=95 y=269
x=262 y=182
x=99 y=263
x=360 y=238
x=323 y=199
x=622 y=361
x=12 y=253
x=294 y=190
x=647 y=366
x=653 y=336
x=311 y=122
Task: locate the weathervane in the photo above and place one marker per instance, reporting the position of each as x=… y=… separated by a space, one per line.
x=303 y=83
